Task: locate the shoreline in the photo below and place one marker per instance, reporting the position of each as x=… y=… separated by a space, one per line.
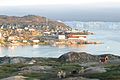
x=63 y=42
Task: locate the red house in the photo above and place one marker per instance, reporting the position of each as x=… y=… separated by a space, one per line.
x=104 y=58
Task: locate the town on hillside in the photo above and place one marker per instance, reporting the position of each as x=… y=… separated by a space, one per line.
x=29 y=30
x=31 y=34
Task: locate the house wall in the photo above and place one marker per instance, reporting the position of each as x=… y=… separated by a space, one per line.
x=80 y=37
x=61 y=36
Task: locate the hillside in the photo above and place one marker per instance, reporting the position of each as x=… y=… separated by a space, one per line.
x=30 y=20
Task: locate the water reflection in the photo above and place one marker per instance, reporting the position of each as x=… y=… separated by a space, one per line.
x=78 y=46
x=35 y=46
x=72 y=46
x=0 y=50
x=12 y=47
x=60 y=46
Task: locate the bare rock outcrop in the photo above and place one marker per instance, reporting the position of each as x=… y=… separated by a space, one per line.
x=85 y=57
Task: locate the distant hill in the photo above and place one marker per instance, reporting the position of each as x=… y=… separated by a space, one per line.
x=30 y=20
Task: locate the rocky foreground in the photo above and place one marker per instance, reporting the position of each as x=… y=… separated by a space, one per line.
x=69 y=66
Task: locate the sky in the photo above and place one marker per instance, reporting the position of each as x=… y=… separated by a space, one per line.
x=66 y=10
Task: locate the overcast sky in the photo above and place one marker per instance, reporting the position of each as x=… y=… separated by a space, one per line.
x=83 y=10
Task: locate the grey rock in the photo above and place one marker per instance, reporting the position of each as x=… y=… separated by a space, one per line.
x=83 y=57
x=78 y=57
x=78 y=78
x=35 y=69
x=97 y=69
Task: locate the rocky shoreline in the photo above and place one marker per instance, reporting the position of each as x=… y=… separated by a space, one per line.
x=74 y=65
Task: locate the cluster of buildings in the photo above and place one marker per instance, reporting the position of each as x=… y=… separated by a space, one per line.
x=36 y=34
x=16 y=35
x=73 y=37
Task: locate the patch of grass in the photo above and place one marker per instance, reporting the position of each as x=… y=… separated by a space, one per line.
x=68 y=67
x=112 y=74
x=9 y=70
x=40 y=76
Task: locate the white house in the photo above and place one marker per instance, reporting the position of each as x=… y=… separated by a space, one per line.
x=36 y=41
x=61 y=36
x=24 y=41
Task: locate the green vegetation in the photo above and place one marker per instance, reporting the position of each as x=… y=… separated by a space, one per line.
x=41 y=76
x=71 y=70
x=52 y=74
x=68 y=67
x=113 y=73
x=9 y=69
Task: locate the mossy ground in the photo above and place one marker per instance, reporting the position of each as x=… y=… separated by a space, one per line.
x=113 y=73
x=7 y=70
